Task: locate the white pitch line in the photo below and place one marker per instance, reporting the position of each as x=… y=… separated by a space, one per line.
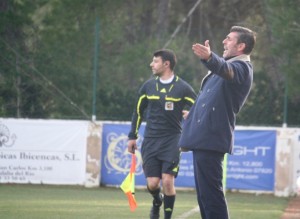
x=188 y=213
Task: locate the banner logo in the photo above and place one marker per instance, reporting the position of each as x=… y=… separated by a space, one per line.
x=118 y=159
x=255 y=151
x=6 y=139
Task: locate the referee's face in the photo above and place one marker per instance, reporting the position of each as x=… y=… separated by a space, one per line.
x=158 y=66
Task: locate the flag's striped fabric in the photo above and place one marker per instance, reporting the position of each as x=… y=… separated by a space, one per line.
x=129 y=183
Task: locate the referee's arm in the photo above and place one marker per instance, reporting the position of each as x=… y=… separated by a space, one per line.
x=137 y=116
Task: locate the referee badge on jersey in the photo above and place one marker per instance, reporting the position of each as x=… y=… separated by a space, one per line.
x=169 y=105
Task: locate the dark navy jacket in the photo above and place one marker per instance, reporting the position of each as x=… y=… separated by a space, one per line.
x=211 y=121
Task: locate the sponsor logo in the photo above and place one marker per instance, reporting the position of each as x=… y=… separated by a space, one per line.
x=255 y=151
x=6 y=138
x=118 y=159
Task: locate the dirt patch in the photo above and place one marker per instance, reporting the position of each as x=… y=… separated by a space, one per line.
x=293 y=209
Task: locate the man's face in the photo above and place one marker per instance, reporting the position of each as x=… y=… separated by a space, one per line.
x=231 y=47
x=157 y=66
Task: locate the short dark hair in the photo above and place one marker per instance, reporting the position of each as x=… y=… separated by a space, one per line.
x=246 y=36
x=167 y=55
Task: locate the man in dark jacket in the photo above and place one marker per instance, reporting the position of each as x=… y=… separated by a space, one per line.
x=208 y=129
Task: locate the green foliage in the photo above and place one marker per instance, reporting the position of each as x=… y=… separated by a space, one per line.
x=285 y=22
x=16 y=82
x=47 y=58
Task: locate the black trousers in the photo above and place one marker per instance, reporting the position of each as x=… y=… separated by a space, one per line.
x=208 y=170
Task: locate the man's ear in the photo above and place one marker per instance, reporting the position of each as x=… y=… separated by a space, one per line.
x=241 y=46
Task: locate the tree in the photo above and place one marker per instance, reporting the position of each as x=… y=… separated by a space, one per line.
x=16 y=81
x=46 y=65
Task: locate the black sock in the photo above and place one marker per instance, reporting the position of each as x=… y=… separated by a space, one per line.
x=168 y=205
x=155 y=195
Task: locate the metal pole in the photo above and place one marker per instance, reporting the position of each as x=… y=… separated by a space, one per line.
x=285 y=103
x=95 y=68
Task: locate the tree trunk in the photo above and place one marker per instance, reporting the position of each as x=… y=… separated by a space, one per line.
x=162 y=19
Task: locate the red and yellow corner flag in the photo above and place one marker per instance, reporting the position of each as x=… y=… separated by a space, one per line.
x=128 y=185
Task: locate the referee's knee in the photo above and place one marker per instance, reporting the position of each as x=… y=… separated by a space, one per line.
x=153 y=183
x=168 y=184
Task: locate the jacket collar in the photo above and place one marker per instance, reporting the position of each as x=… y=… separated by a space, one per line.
x=243 y=57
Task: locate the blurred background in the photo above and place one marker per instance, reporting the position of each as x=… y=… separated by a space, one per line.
x=73 y=59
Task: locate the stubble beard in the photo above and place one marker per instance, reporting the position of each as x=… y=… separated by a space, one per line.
x=159 y=74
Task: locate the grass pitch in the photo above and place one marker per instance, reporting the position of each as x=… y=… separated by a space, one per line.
x=66 y=202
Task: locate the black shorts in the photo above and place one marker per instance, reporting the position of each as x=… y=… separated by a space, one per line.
x=161 y=155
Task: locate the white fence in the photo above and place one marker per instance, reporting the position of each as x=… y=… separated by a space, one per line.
x=70 y=152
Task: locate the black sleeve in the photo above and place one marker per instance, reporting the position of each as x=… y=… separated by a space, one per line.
x=190 y=95
x=137 y=116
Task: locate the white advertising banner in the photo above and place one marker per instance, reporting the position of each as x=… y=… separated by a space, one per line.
x=42 y=151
